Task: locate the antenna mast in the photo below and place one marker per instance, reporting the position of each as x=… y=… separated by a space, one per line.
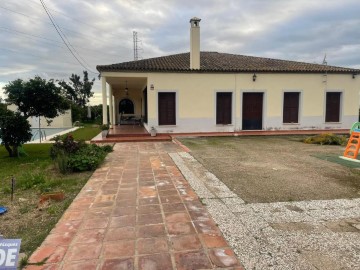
x=136 y=50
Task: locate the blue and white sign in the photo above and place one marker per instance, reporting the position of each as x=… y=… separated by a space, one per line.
x=9 y=253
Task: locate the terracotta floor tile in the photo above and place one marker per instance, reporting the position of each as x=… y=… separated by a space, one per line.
x=73 y=215
x=152 y=245
x=149 y=219
x=118 y=264
x=151 y=231
x=171 y=199
x=88 y=265
x=105 y=198
x=147 y=191
x=223 y=257
x=199 y=216
x=145 y=201
x=90 y=236
x=124 y=211
x=168 y=192
x=173 y=207
x=43 y=267
x=177 y=217
x=118 y=249
x=149 y=209
x=103 y=212
x=80 y=252
x=207 y=227
x=130 y=195
x=59 y=239
x=67 y=226
x=122 y=221
x=114 y=234
x=179 y=228
x=52 y=253
x=192 y=261
x=126 y=203
x=185 y=242
x=95 y=223
x=155 y=261
x=213 y=241
x=102 y=204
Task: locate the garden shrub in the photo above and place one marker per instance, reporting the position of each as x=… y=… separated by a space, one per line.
x=326 y=139
x=65 y=144
x=87 y=158
x=70 y=155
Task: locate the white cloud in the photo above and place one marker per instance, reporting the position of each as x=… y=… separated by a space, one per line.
x=101 y=32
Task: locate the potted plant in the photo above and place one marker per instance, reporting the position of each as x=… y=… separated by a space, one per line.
x=105 y=130
x=153 y=132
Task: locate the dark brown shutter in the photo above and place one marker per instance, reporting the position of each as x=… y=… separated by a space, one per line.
x=167 y=109
x=223 y=108
x=291 y=107
x=332 y=107
x=252 y=111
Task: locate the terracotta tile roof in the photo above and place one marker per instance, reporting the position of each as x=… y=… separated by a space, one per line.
x=222 y=62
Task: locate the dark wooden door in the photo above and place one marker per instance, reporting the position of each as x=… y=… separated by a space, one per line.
x=332 y=107
x=252 y=111
x=167 y=109
x=291 y=107
x=223 y=108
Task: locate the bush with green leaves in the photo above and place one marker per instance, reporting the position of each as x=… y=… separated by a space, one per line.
x=70 y=155
x=326 y=139
x=64 y=145
x=87 y=158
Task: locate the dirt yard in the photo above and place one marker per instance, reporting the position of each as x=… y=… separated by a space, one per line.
x=275 y=169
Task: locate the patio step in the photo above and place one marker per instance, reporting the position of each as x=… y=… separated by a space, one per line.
x=132 y=138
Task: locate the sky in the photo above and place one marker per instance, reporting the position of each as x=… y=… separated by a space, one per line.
x=101 y=32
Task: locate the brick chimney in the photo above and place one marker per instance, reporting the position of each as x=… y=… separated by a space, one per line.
x=195 y=43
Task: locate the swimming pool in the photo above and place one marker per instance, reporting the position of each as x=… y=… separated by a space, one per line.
x=47 y=133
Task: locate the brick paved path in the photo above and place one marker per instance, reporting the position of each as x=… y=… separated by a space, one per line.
x=136 y=212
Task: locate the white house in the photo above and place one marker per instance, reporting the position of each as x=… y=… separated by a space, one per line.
x=220 y=92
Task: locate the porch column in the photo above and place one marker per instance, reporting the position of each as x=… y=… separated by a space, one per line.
x=104 y=104
x=111 y=106
x=114 y=110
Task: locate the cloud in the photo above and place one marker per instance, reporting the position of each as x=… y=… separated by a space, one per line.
x=101 y=32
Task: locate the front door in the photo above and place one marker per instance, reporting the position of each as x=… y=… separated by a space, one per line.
x=252 y=111
x=167 y=110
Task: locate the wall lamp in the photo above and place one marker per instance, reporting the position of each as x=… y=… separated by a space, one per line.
x=152 y=87
x=254 y=77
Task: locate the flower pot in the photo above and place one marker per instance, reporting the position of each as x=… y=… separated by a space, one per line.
x=104 y=133
x=153 y=132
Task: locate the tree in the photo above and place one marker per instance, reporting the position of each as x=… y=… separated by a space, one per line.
x=14 y=131
x=36 y=97
x=78 y=91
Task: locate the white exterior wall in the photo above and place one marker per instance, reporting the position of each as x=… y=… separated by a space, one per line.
x=62 y=121
x=196 y=99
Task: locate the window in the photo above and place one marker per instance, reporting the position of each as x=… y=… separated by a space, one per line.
x=332 y=113
x=291 y=107
x=223 y=108
x=167 y=109
x=126 y=106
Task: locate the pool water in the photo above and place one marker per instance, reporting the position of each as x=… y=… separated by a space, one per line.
x=46 y=133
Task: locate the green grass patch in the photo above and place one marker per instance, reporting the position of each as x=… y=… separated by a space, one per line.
x=336 y=159
x=85 y=133
x=34 y=174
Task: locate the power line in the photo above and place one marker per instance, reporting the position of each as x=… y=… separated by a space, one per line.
x=74 y=19
x=63 y=28
x=47 y=40
x=58 y=31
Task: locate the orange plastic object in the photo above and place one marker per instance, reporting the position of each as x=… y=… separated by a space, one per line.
x=353 y=145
